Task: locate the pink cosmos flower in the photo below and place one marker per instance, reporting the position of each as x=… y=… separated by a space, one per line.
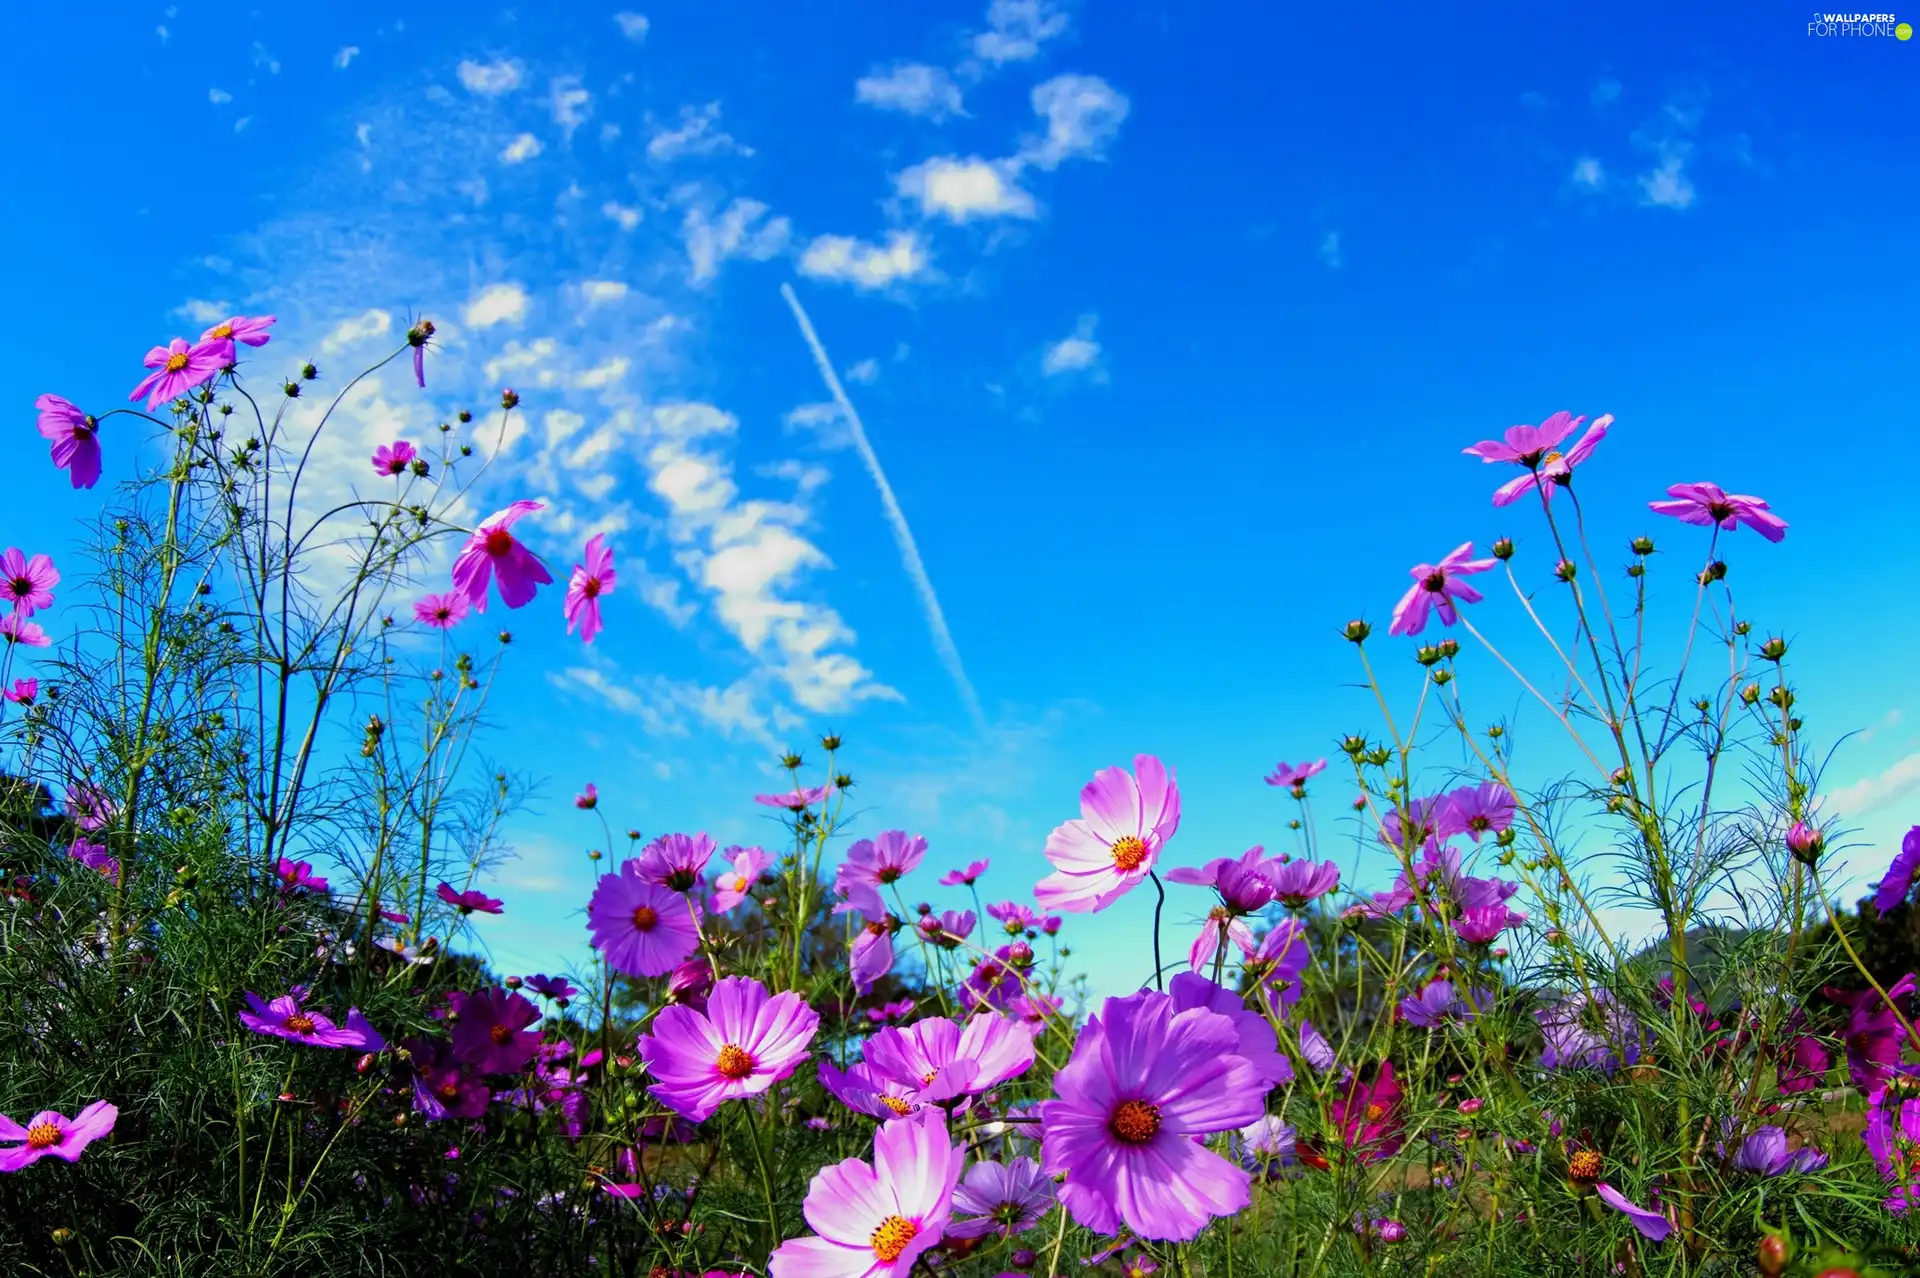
x=15 y=628
x=888 y=1013
x=936 y=1059
x=690 y=983
x=1436 y=588
x=1258 y=1044
x=442 y=612
x=1001 y=1198
x=946 y=929
x=677 y=861
x=1652 y=1226
x=491 y=1034
x=23 y=692
x=89 y=806
x=178 y=368
x=966 y=877
x=296 y=875
x=588 y=799
x=879 y=861
x=442 y=1086
x=590 y=582
x=286 y=1018
x=734 y=886
x=557 y=988
x=53 y=1135
x=75 y=439
x=1294 y=776
x=1368 y=1116
x=1296 y=883
x=1013 y=916
x=94 y=857
x=1483 y=924
x=794 y=800
x=1898 y=880
x=248 y=329
x=1124 y=822
x=872 y=954
x=1536 y=450
x=26 y=583
x=1032 y=1011
x=1486 y=808
x=744 y=1043
x=876 y=1221
x=863 y=1091
x=494 y=551
x=643 y=928
x=468 y=902
x=1708 y=505
x=394 y=458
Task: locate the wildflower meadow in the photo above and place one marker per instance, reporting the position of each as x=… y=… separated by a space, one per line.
x=249 y=815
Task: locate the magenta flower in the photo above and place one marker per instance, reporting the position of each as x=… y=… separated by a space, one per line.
x=1437 y=588
x=1898 y=880
x=590 y=581
x=442 y=1086
x=1873 y=1034
x=75 y=437
x=1486 y=808
x=862 y=1090
x=690 y=983
x=948 y=928
x=1033 y=1010
x=1438 y=1004
x=1482 y=924
x=1243 y=882
x=295 y=875
x=996 y=980
x=1125 y=819
x=588 y=799
x=15 y=628
x=26 y=583
x=1014 y=917
x=1764 y=1152
x=1278 y=961
x=417 y=337
x=53 y=1135
x=89 y=806
x=1145 y=1081
x=879 y=861
x=557 y=988
x=888 y=1013
x=1368 y=1115
x=248 y=329
x=1297 y=883
x=875 y=1221
x=490 y=1034
x=1001 y=1198
x=467 y=902
x=442 y=612
x=732 y=887
x=1536 y=450
x=1709 y=506
x=285 y=1018
x=643 y=928
x=1258 y=1046
x=744 y=1043
x=964 y=878
x=1892 y=1134
x=94 y=857
x=178 y=368
x=394 y=458
x=1651 y=1224
x=1294 y=776
x=23 y=692
x=939 y=1060
x=677 y=861
x=794 y=800
x=493 y=551
x=871 y=956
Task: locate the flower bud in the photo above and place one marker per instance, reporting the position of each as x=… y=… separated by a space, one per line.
x=1750 y=694
x=1503 y=549
x=1357 y=631
x=364 y=1064
x=1564 y=570
x=1642 y=545
x=1805 y=842
x=308 y=371
x=1353 y=745
x=1426 y=654
x=830 y=742
x=292 y=390
x=1772 y=1256
x=1743 y=628
x=509 y=399
x=1449 y=648
x=463 y=417
x=1774 y=649
x=419 y=333
x=419 y=467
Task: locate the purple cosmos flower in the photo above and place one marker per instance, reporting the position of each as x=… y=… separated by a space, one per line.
x=1898 y=880
x=1486 y=808
x=297 y=875
x=494 y=551
x=1873 y=1032
x=75 y=439
x=1802 y=1061
x=676 y=861
x=442 y=612
x=490 y=1034
x=23 y=692
x=879 y=861
x=887 y=1013
x=1298 y=883
x=732 y=887
x=1001 y=1198
x=744 y=1043
x=1277 y=962
x=1707 y=505
x=94 y=857
x=1258 y=1046
x=417 y=337
x=1437 y=588
x=966 y=877
x=89 y=806
x=875 y=1221
x=1125 y=819
x=862 y=1090
x=15 y=628
x=643 y=928
x=49 y=1134
x=1368 y=1115
x=1244 y=882
x=588 y=799
x=393 y=459
x=443 y=1087
x=1294 y=776
x=996 y=981
x=689 y=984
x=871 y=956
x=285 y=1018
x=1547 y=468
x=468 y=902
x=1589 y=1031
x=1265 y=1146
x=178 y=368
x=557 y=988
x=1315 y=1048
x=1438 y=1004
x=590 y=583
x=1651 y=1224
x=248 y=329
x=1892 y=1135
x=946 y=929
x=1014 y=917
x=1527 y=446
x=1765 y=1153
x=1482 y=925
x=1429 y=821
x=1033 y=1010
x=794 y=800
x=1143 y=1082
x=26 y=583
x=940 y=1060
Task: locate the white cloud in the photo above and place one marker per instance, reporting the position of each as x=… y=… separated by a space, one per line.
x=363 y=134
x=198 y=310
x=521 y=149
x=497 y=304
x=1017 y=29
x=1083 y=114
x=571 y=103
x=219 y=97
x=1667 y=185
x=240 y=124
x=625 y=214
x=913 y=87
x=865 y=373
x=600 y=291
x=163 y=33
x=864 y=265
x=632 y=25
x=1588 y=173
x=1073 y=354
x=490 y=79
x=1870 y=794
x=1330 y=250
x=261 y=58
x=742 y=230
x=601 y=376
x=345 y=57
x=361 y=328
x=698 y=134
x=960 y=189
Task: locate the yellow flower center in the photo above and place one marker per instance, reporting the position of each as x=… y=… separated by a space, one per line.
x=501 y=1035
x=1128 y=853
x=645 y=917
x=926 y=1079
x=221 y=330
x=1584 y=1165
x=1135 y=1122
x=897 y=1105
x=301 y=1023
x=42 y=1136
x=733 y=1062
x=1376 y=1111
x=893 y=1237
x=176 y=361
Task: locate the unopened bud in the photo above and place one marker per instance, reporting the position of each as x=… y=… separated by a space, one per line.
x=1426 y=654
x=509 y=398
x=1503 y=549
x=1774 y=649
x=1564 y=570
x=1357 y=631
x=830 y=742
x=1449 y=648
x=1805 y=842
x=1642 y=545
x=308 y=371
x=1750 y=694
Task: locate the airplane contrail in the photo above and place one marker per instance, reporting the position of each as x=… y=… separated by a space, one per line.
x=902 y=535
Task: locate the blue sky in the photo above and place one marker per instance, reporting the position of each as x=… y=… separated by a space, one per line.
x=1167 y=326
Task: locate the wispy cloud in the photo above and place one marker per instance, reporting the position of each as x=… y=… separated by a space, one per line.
x=912 y=87
x=1330 y=250
x=496 y=304
x=1017 y=28
x=1083 y=114
x=863 y=265
x=742 y=230
x=219 y=97
x=1587 y=174
x=1077 y=353
x=633 y=26
x=865 y=373
x=698 y=133
x=344 y=58
x=1872 y=793
x=1668 y=136
x=960 y=189
x=521 y=149
x=491 y=79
